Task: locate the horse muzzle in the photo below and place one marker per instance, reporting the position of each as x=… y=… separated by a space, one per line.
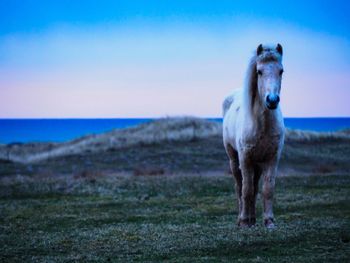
x=272 y=101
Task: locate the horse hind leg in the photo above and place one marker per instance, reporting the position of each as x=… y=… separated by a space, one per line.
x=238 y=186
x=236 y=172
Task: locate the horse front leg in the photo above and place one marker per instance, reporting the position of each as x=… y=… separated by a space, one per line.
x=247 y=216
x=269 y=176
x=257 y=174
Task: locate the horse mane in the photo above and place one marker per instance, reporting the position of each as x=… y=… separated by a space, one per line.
x=269 y=54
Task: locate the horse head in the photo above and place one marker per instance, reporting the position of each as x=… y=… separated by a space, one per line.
x=269 y=70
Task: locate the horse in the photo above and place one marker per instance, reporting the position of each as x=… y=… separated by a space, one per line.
x=253 y=133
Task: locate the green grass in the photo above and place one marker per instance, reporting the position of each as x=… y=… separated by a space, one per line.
x=175 y=218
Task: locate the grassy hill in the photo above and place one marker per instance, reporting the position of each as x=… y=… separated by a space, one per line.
x=168 y=146
x=162 y=192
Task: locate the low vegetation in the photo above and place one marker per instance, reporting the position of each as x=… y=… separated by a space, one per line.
x=119 y=197
x=171 y=218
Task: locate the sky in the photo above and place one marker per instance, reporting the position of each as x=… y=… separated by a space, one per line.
x=132 y=59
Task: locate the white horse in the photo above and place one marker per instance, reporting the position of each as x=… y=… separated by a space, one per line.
x=253 y=133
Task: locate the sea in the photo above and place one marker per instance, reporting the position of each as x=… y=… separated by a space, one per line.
x=60 y=130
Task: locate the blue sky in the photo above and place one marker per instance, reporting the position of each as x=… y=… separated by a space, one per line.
x=35 y=16
x=159 y=58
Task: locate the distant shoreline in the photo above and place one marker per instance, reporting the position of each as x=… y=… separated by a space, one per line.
x=62 y=130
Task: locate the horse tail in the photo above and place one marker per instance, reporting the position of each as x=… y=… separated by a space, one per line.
x=227 y=104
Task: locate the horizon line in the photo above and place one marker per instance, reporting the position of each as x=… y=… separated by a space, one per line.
x=163 y=117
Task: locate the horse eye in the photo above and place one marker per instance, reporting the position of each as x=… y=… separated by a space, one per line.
x=259 y=72
x=281 y=72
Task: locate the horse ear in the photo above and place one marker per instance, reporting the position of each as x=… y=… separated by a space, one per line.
x=279 y=49
x=259 y=50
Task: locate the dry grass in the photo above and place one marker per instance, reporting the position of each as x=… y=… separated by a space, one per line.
x=156 y=132
x=184 y=129
x=309 y=136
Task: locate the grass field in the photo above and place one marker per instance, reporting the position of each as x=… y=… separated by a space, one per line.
x=176 y=218
x=162 y=193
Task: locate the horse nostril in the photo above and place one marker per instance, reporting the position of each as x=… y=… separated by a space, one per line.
x=272 y=98
x=272 y=101
x=268 y=100
x=277 y=98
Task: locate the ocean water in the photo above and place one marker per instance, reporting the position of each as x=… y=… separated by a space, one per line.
x=58 y=130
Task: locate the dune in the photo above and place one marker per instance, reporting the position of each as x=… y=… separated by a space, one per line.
x=179 y=129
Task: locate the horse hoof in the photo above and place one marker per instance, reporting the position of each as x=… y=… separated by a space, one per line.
x=252 y=221
x=246 y=222
x=243 y=223
x=269 y=223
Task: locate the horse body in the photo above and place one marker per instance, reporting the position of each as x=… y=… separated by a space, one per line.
x=253 y=133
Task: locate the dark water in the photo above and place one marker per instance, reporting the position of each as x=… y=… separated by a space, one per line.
x=57 y=130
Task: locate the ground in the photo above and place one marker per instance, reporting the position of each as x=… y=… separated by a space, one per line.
x=173 y=203
x=176 y=218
